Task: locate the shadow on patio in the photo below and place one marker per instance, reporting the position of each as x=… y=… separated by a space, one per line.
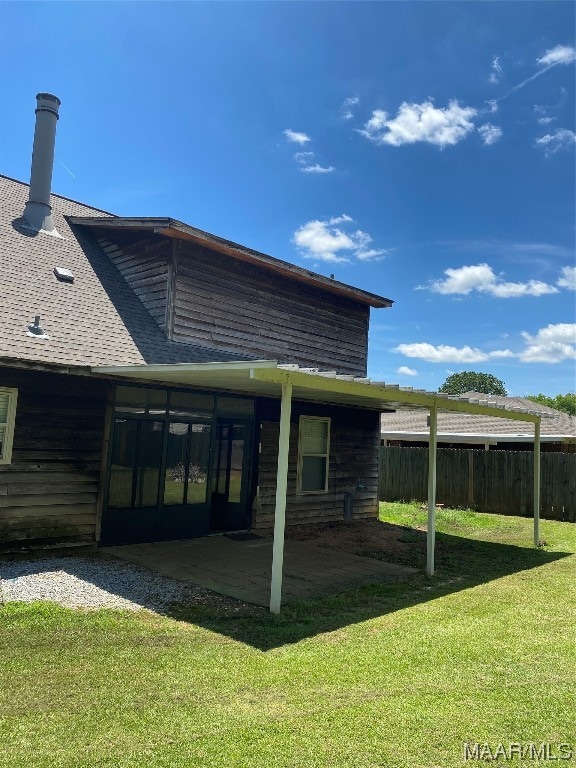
x=462 y=563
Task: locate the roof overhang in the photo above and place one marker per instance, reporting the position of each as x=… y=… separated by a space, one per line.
x=178 y=230
x=265 y=378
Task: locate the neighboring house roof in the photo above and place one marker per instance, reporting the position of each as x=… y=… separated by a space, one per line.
x=462 y=427
x=520 y=403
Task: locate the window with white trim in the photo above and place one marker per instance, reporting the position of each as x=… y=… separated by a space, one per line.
x=313 y=454
x=8 y=398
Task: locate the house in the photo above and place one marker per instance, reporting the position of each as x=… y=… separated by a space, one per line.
x=409 y=428
x=159 y=382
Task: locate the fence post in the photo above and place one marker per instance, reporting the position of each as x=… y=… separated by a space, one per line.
x=431 y=535
x=537 y=483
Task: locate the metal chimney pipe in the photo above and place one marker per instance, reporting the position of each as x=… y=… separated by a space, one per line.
x=38 y=212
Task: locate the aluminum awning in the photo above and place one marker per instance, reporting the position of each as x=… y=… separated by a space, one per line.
x=267 y=378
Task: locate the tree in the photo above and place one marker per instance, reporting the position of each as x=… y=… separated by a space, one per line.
x=566 y=403
x=470 y=381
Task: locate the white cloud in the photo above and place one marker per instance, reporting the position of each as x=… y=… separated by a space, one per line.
x=505 y=290
x=326 y=241
x=498 y=353
x=568 y=279
x=490 y=133
x=481 y=278
x=405 y=371
x=447 y=354
x=561 y=54
x=553 y=142
x=296 y=137
x=552 y=344
x=346 y=108
x=374 y=127
x=316 y=168
x=492 y=105
x=496 y=70
x=420 y=122
x=371 y=254
x=544 y=118
x=303 y=157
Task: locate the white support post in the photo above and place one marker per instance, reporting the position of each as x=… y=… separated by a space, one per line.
x=280 y=511
x=536 y=483
x=432 y=449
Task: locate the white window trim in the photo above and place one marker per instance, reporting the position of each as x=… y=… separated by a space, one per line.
x=6 y=454
x=301 y=454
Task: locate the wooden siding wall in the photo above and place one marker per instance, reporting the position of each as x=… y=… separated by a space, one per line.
x=354 y=445
x=143 y=261
x=487 y=481
x=49 y=493
x=225 y=304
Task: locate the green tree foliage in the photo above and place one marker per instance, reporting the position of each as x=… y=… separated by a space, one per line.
x=566 y=403
x=470 y=381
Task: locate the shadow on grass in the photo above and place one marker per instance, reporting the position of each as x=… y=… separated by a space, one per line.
x=461 y=563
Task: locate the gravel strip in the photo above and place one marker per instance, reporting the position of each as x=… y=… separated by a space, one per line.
x=98 y=581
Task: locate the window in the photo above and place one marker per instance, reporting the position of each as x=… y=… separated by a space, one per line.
x=313 y=453
x=8 y=398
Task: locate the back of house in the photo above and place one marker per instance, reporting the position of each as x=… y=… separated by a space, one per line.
x=129 y=411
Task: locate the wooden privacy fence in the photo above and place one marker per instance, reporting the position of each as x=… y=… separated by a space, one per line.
x=487 y=481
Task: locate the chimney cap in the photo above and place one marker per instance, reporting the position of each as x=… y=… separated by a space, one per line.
x=48 y=96
x=47 y=101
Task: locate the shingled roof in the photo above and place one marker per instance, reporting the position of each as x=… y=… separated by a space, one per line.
x=412 y=424
x=97 y=319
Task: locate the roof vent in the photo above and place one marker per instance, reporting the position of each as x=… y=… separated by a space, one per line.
x=36 y=330
x=38 y=212
x=64 y=275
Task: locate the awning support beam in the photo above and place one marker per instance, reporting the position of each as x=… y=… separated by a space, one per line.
x=281 y=488
x=537 y=484
x=432 y=448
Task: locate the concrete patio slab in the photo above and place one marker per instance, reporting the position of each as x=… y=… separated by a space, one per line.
x=242 y=569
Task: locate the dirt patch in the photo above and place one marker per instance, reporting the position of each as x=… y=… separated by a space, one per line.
x=369 y=538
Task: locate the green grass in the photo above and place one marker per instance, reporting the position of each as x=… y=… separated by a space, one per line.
x=397 y=676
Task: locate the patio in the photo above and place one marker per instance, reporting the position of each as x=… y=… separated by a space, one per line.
x=240 y=566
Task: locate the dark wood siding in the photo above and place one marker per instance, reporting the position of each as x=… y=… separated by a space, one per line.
x=49 y=493
x=225 y=304
x=143 y=261
x=354 y=453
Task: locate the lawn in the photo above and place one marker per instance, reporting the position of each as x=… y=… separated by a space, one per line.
x=398 y=675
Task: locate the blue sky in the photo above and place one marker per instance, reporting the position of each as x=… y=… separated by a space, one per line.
x=422 y=151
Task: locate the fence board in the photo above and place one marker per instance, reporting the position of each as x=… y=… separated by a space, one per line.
x=487 y=481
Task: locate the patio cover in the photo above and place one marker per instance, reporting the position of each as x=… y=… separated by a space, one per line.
x=268 y=378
